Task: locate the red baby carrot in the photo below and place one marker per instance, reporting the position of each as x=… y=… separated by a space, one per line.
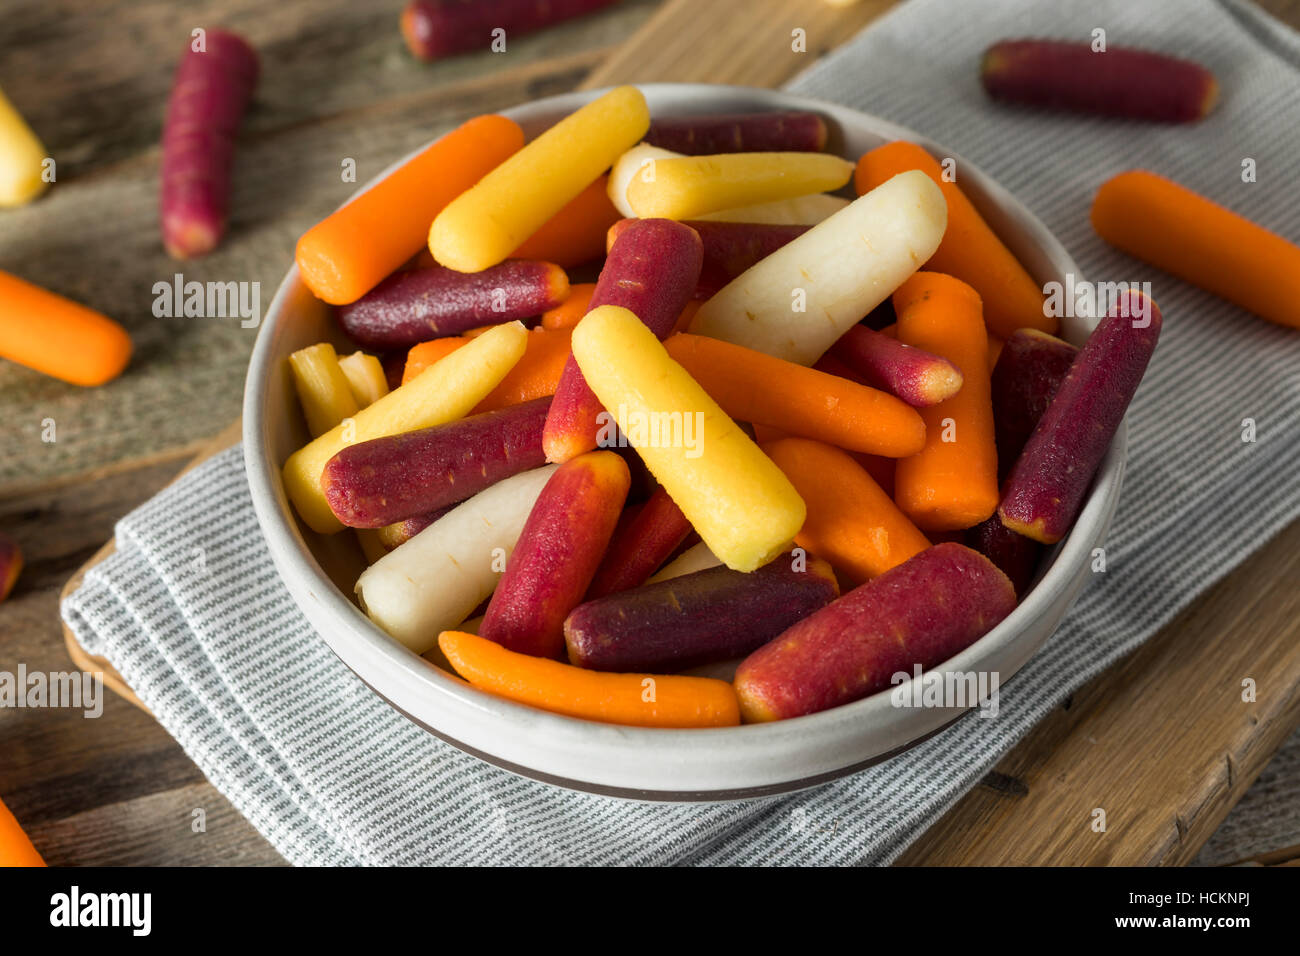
x=640 y=546
x=651 y=271
x=751 y=386
x=970 y=249
x=851 y=522
x=639 y=700
x=575 y=234
x=558 y=551
x=1118 y=81
x=1048 y=482
x=953 y=483
x=54 y=335
x=915 y=376
x=421 y=304
x=211 y=89
x=345 y=255
x=1201 y=242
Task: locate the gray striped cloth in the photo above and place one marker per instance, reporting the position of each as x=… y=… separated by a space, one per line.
x=190 y=610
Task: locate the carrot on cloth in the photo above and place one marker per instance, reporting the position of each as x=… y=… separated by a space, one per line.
x=16 y=849
x=639 y=700
x=953 y=482
x=567 y=314
x=752 y=386
x=1169 y=226
x=970 y=250
x=57 y=336
x=575 y=234
x=534 y=376
x=345 y=255
x=852 y=523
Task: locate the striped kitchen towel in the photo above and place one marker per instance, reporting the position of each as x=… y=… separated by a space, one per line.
x=190 y=610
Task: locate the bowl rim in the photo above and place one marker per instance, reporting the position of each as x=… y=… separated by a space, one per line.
x=412 y=674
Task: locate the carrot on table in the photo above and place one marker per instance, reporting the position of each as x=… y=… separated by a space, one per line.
x=953 y=482
x=575 y=234
x=1172 y=228
x=851 y=522
x=348 y=253
x=11 y=564
x=754 y=387
x=638 y=700
x=17 y=850
x=57 y=336
x=567 y=314
x=209 y=94
x=970 y=250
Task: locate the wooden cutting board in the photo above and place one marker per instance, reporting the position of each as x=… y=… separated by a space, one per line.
x=1163 y=742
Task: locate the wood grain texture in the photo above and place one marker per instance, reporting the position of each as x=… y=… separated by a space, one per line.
x=1163 y=742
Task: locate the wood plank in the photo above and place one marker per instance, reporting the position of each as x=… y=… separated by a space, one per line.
x=1163 y=742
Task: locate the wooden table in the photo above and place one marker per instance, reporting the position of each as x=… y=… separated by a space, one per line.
x=337 y=84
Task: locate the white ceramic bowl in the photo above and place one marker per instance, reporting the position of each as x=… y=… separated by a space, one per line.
x=636 y=762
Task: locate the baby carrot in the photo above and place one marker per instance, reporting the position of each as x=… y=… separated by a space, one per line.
x=640 y=545
x=427 y=353
x=22 y=158
x=970 y=250
x=210 y=92
x=17 y=850
x=486 y=223
x=575 y=234
x=1201 y=242
x=11 y=564
x=534 y=376
x=57 y=336
x=851 y=522
x=638 y=700
x=567 y=313
x=345 y=255
x=953 y=482
x=754 y=387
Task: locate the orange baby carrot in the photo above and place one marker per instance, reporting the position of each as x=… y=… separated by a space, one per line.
x=851 y=522
x=1201 y=242
x=427 y=353
x=534 y=376
x=16 y=849
x=345 y=255
x=639 y=700
x=754 y=387
x=575 y=234
x=57 y=336
x=953 y=482
x=971 y=250
x=994 y=350
x=567 y=313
